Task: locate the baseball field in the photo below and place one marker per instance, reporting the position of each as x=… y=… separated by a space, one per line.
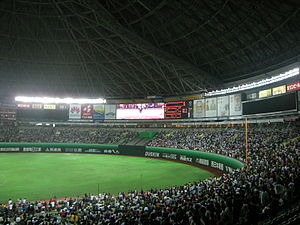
x=41 y=176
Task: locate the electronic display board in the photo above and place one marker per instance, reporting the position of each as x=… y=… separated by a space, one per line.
x=7 y=113
x=280 y=103
x=140 y=111
x=7 y=116
x=42 y=114
x=179 y=110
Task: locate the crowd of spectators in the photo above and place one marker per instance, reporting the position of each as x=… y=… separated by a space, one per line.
x=229 y=141
x=245 y=196
x=226 y=141
x=65 y=135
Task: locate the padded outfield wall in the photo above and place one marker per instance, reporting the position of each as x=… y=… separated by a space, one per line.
x=197 y=158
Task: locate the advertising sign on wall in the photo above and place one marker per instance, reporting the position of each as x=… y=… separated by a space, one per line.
x=199 y=108
x=211 y=107
x=251 y=96
x=279 y=90
x=63 y=107
x=37 y=106
x=48 y=106
x=293 y=86
x=75 y=111
x=223 y=106
x=99 y=112
x=235 y=102
x=110 y=112
x=24 y=106
x=265 y=93
x=87 y=112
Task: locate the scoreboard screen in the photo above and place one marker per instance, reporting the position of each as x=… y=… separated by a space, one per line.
x=179 y=110
x=281 y=103
x=140 y=111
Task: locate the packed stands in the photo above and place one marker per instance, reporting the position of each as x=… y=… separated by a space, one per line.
x=246 y=196
x=65 y=135
x=229 y=141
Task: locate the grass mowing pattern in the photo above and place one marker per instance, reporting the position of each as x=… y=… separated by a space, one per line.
x=37 y=176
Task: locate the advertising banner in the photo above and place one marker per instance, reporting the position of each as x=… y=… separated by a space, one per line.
x=110 y=112
x=8 y=105
x=99 y=112
x=199 y=108
x=211 y=107
x=75 y=111
x=293 y=86
x=63 y=107
x=48 y=106
x=24 y=106
x=87 y=112
x=265 y=93
x=37 y=106
x=215 y=161
x=223 y=106
x=279 y=90
x=252 y=96
x=235 y=102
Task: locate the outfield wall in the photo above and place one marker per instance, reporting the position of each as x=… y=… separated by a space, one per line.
x=197 y=158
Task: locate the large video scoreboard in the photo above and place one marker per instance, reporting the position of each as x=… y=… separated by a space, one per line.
x=169 y=110
x=42 y=112
x=179 y=110
x=281 y=103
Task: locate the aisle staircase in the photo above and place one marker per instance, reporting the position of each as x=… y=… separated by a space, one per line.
x=142 y=139
x=288 y=217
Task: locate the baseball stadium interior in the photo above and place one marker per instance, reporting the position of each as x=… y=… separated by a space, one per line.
x=149 y=112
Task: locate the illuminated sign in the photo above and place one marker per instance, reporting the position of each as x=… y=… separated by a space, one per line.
x=23 y=105
x=137 y=111
x=49 y=106
x=75 y=111
x=252 y=96
x=63 y=107
x=293 y=86
x=37 y=106
x=47 y=100
x=279 y=90
x=265 y=93
x=178 y=110
x=87 y=112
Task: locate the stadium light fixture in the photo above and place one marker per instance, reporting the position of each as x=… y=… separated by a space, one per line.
x=274 y=79
x=59 y=100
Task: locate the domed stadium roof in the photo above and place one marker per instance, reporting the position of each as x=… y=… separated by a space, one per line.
x=136 y=48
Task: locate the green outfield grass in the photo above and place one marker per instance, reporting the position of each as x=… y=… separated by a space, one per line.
x=37 y=176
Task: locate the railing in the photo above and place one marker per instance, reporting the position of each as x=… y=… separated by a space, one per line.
x=196 y=158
